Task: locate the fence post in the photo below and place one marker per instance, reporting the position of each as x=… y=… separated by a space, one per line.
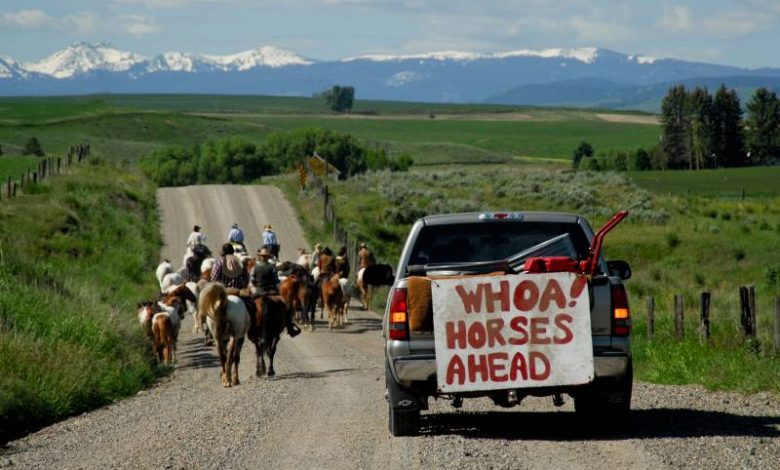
x=9 y=187
x=35 y=176
x=678 y=316
x=59 y=165
x=650 y=317
x=747 y=316
x=325 y=206
x=14 y=186
x=777 y=322
x=704 y=319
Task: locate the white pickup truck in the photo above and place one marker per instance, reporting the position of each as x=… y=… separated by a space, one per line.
x=485 y=304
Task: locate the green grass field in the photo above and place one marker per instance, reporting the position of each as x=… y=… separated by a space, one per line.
x=728 y=183
x=125 y=127
x=15 y=166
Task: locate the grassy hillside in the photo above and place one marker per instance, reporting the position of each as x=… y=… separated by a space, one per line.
x=127 y=126
x=76 y=255
x=675 y=244
x=14 y=166
x=728 y=183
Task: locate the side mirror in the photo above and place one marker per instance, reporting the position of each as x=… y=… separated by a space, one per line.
x=378 y=275
x=619 y=268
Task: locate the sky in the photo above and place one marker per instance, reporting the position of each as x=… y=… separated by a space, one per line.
x=743 y=33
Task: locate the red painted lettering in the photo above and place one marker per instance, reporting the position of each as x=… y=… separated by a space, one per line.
x=472 y=301
x=561 y=321
x=494 y=336
x=518 y=367
x=456 y=371
x=539 y=330
x=518 y=324
x=552 y=293
x=526 y=295
x=538 y=360
x=478 y=364
x=501 y=296
x=497 y=361
x=477 y=335
x=456 y=334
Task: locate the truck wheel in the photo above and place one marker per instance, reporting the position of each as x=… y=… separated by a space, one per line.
x=612 y=402
x=404 y=422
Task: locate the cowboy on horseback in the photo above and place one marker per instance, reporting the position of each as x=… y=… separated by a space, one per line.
x=229 y=270
x=271 y=240
x=266 y=282
x=236 y=235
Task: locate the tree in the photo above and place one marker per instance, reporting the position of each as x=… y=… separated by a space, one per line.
x=763 y=127
x=702 y=129
x=33 y=147
x=640 y=160
x=340 y=99
x=676 y=124
x=729 y=144
x=584 y=150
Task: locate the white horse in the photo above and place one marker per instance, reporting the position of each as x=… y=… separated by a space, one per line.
x=165 y=267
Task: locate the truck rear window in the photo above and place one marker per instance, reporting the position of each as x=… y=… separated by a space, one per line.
x=475 y=242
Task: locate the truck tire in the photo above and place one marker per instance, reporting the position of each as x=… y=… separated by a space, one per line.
x=404 y=422
x=610 y=403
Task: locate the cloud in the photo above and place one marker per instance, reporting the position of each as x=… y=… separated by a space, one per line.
x=138 y=25
x=81 y=24
x=26 y=19
x=733 y=25
x=676 y=19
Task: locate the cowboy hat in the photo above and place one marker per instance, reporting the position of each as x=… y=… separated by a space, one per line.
x=196 y=227
x=264 y=252
x=268 y=227
x=235 y=225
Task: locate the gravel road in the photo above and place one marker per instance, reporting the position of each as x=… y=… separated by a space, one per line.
x=326 y=408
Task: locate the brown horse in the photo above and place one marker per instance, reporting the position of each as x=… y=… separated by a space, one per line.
x=299 y=291
x=270 y=325
x=333 y=300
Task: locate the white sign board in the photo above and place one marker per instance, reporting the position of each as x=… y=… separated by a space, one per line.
x=514 y=331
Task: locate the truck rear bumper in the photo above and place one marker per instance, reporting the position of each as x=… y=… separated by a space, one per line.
x=423 y=368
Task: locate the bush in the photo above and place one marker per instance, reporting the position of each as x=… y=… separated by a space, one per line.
x=33 y=147
x=590 y=164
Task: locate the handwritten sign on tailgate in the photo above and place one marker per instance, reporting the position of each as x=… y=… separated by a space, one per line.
x=515 y=331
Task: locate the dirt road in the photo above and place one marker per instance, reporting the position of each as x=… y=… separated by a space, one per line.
x=326 y=408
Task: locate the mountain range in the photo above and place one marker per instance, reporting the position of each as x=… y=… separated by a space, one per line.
x=552 y=77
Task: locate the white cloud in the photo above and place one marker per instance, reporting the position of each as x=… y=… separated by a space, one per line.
x=676 y=19
x=26 y=19
x=733 y=25
x=138 y=25
x=82 y=23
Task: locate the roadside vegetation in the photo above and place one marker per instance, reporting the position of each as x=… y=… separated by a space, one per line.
x=76 y=255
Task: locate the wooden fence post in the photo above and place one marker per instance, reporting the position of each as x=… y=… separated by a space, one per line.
x=747 y=316
x=650 y=317
x=14 y=186
x=678 y=316
x=777 y=322
x=35 y=176
x=59 y=165
x=325 y=206
x=9 y=187
x=704 y=319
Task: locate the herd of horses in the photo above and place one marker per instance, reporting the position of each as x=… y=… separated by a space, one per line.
x=222 y=313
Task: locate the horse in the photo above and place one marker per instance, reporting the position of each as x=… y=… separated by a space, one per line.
x=228 y=320
x=161 y=321
x=269 y=331
x=299 y=291
x=333 y=300
x=366 y=290
x=193 y=261
x=165 y=267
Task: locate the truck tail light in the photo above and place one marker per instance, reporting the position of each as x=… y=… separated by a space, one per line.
x=621 y=314
x=399 y=315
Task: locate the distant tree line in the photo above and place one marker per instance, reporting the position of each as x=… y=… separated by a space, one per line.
x=702 y=131
x=237 y=160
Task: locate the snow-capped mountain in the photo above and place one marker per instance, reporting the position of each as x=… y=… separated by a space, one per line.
x=586 y=76
x=80 y=58
x=586 y=54
x=266 y=56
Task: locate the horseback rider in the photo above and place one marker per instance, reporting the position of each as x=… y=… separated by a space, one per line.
x=196 y=238
x=236 y=235
x=342 y=263
x=266 y=282
x=229 y=270
x=271 y=240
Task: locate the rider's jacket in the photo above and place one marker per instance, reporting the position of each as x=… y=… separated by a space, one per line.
x=264 y=278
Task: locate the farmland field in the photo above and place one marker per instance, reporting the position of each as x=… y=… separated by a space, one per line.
x=724 y=182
